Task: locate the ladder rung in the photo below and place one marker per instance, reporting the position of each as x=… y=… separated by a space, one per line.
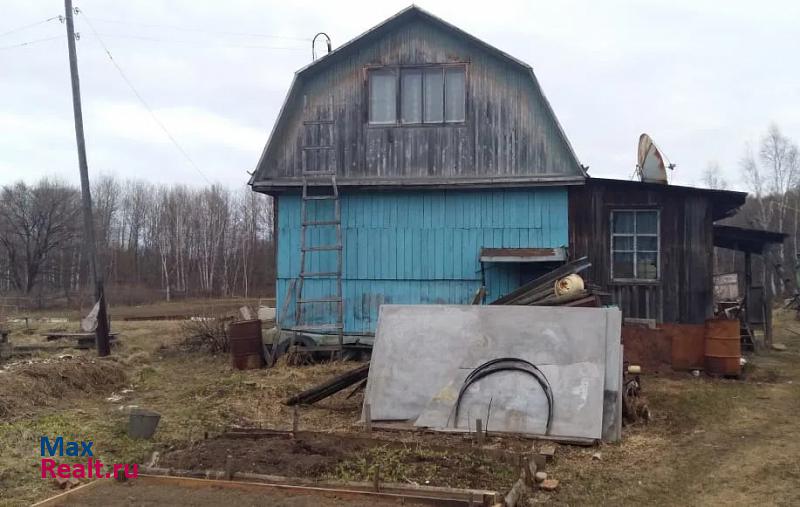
x=318 y=122
x=323 y=222
x=317 y=327
x=321 y=248
x=321 y=147
x=320 y=300
x=319 y=197
x=320 y=274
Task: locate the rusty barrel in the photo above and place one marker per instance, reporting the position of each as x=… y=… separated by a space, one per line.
x=247 y=352
x=723 y=347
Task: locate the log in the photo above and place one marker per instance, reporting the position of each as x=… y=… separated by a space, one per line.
x=330 y=387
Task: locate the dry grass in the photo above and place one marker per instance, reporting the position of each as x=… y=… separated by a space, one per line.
x=711 y=442
x=36 y=384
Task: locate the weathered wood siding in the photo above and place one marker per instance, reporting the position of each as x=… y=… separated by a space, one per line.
x=509 y=129
x=415 y=246
x=684 y=292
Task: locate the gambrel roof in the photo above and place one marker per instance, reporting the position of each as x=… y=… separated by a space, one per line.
x=266 y=177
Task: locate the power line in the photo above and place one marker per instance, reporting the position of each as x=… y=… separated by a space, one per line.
x=195 y=43
x=30 y=42
x=203 y=30
x=144 y=102
x=25 y=27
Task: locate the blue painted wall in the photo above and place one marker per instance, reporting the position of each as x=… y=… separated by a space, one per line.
x=414 y=246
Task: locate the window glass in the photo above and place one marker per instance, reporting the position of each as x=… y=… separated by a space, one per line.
x=623 y=222
x=454 y=93
x=623 y=265
x=634 y=244
x=647 y=243
x=647 y=222
x=647 y=265
x=382 y=97
x=623 y=243
x=411 y=96
x=433 y=96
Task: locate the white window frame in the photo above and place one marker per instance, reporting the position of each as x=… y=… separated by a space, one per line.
x=635 y=250
x=398 y=71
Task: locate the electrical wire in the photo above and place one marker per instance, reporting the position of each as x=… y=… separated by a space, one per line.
x=31 y=42
x=202 y=30
x=195 y=43
x=142 y=100
x=25 y=27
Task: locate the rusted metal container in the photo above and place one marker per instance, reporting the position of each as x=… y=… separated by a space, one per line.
x=247 y=351
x=723 y=347
x=687 y=344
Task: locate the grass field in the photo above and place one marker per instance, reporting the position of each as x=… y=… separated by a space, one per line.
x=710 y=442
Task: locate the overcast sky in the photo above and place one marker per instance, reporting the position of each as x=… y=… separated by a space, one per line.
x=703 y=78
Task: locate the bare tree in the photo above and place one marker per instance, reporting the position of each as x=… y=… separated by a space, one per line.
x=34 y=221
x=712 y=177
x=772 y=177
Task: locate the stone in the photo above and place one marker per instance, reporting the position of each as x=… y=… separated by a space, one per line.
x=549 y=485
x=778 y=346
x=540 y=476
x=597 y=456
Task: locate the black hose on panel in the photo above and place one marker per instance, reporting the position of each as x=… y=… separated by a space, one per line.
x=509 y=364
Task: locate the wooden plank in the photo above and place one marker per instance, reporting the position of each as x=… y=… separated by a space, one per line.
x=330 y=387
x=57 y=499
x=543 y=281
x=262 y=483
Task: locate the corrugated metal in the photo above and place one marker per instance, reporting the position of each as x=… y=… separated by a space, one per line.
x=509 y=132
x=417 y=246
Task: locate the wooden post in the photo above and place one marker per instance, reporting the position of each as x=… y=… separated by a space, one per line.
x=367 y=418
x=229 y=467
x=479 y=431
x=377 y=478
x=89 y=245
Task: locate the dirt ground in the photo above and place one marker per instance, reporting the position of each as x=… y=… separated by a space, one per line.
x=337 y=457
x=710 y=442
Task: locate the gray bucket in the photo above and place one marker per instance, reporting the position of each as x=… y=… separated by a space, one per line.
x=142 y=423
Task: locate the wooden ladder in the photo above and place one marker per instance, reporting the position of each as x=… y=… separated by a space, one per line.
x=319 y=185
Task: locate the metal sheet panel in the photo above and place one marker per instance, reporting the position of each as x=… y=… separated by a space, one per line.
x=423 y=353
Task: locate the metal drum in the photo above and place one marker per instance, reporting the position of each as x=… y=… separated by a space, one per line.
x=723 y=348
x=247 y=351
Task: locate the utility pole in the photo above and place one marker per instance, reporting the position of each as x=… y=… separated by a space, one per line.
x=89 y=245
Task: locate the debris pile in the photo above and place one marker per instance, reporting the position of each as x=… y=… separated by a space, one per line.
x=560 y=287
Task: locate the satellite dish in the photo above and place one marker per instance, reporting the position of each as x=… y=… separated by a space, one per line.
x=650 y=165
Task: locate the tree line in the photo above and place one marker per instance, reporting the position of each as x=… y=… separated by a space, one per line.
x=771 y=172
x=164 y=242
x=154 y=242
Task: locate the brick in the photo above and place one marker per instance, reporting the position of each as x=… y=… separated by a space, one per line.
x=549 y=485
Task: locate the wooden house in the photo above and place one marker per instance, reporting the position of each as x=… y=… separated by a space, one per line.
x=443 y=147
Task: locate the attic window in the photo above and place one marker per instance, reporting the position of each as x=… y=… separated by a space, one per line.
x=431 y=94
